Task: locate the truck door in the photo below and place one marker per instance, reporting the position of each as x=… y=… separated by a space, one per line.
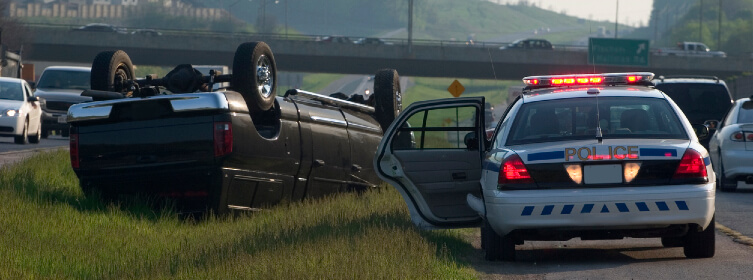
x=330 y=149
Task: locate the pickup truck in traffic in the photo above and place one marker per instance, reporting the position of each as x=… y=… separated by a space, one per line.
x=690 y=49
x=236 y=148
x=58 y=88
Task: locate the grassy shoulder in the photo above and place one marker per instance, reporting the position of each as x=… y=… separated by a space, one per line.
x=51 y=230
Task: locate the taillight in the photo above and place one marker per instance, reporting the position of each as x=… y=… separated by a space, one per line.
x=223 y=138
x=74 y=150
x=513 y=171
x=737 y=136
x=691 y=167
x=741 y=136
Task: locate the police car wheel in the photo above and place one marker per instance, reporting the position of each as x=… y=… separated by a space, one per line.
x=700 y=244
x=671 y=242
x=497 y=247
x=724 y=184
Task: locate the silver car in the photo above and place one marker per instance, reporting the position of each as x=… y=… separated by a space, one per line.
x=20 y=113
x=731 y=147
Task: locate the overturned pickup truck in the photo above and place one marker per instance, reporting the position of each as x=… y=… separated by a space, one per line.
x=241 y=147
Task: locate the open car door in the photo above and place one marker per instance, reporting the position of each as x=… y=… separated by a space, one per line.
x=432 y=155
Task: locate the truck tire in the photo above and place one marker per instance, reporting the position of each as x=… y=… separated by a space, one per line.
x=111 y=70
x=700 y=244
x=255 y=75
x=388 y=98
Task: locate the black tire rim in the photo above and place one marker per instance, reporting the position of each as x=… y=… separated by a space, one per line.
x=264 y=78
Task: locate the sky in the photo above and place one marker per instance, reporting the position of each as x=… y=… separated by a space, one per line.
x=631 y=12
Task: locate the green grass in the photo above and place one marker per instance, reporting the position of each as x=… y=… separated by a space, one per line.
x=494 y=91
x=51 y=231
x=315 y=82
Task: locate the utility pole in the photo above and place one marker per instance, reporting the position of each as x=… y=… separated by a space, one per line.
x=616 y=18
x=719 y=28
x=700 y=23
x=410 y=26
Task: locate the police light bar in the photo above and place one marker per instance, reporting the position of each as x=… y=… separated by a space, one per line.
x=607 y=79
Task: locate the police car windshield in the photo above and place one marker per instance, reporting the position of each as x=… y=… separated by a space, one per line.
x=575 y=119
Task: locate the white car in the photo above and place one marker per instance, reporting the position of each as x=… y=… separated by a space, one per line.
x=731 y=147
x=599 y=156
x=20 y=113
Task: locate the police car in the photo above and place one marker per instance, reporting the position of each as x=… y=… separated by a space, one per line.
x=600 y=156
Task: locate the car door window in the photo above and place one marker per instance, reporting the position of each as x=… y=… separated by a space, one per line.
x=444 y=128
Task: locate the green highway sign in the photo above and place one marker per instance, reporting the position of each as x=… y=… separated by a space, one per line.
x=626 y=52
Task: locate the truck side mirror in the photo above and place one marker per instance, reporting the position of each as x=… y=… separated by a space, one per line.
x=701 y=131
x=471 y=142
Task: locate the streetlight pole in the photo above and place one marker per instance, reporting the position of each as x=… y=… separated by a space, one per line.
x=410 y=26
x=616 y=18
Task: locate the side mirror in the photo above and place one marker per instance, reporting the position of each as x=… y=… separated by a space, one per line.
x=33 y=85
x=711 y=124
x=33 y=99
x=701 y=131
x=471 y=142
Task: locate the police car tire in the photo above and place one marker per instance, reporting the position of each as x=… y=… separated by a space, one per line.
x=108 y=68
x=724 y=184
x=700 y=244
x=248 y=56
x=497 y=247
x=387 y=95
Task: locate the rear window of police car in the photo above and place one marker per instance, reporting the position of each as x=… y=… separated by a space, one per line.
x=576 y=119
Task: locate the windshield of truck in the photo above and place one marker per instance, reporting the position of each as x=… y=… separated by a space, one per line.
x=699 y=102
x=11 y=91
x=64 y=79
x=576 y=119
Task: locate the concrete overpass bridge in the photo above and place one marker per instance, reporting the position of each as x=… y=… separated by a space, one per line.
x=304 y=54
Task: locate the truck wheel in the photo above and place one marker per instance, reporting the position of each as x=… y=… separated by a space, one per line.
x=24 y=138
x=700 y=244
x=255 y=75
x=388 y=98
x=496 y=247
x=111 y=70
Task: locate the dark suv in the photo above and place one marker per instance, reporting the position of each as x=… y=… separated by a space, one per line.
x=703 y=99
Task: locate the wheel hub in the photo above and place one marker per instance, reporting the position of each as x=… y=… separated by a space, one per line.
x=264 y=77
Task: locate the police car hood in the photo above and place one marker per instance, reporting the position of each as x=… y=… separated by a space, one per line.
x=607 y=150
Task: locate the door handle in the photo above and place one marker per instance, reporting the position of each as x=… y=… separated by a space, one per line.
x=318 y=163
x=459 y=176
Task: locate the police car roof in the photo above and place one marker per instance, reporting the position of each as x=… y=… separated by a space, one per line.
x=581 y=91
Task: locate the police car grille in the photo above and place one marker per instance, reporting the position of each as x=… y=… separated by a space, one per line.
x=58 y=105
x=554 y=176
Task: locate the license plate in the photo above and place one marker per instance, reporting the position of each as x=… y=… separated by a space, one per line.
x=63 y=119
x=602 y=174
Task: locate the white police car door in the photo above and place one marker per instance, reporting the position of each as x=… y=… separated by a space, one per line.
x=432 y=155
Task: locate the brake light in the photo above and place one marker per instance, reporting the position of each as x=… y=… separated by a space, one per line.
x=513 y=171
x=74 y=150
x=737 y=136
x=223 y=138
x=691 y=166
x=749 y=136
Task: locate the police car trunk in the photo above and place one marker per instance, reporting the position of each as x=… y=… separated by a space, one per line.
x=591 y=156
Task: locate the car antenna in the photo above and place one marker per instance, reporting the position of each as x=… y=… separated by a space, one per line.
x=599 y=136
